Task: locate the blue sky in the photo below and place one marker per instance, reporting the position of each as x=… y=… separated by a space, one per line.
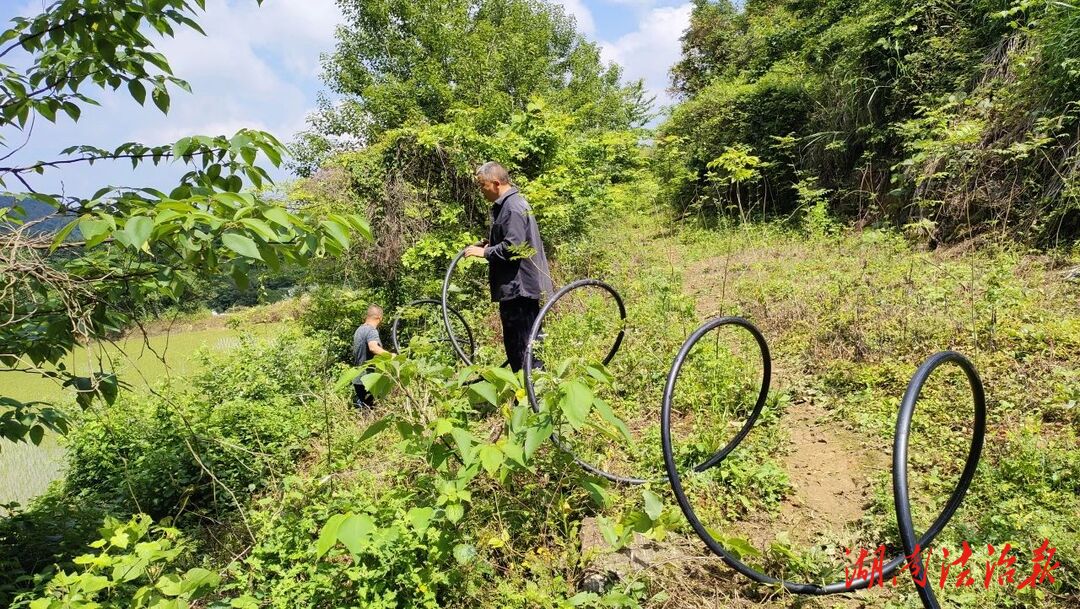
x=258 y=67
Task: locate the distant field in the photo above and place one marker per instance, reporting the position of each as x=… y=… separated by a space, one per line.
x=26 y=470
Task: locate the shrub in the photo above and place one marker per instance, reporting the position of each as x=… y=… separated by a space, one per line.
x=201 y=447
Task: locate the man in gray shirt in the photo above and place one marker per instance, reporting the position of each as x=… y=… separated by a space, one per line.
x=517 y=265
x=366 y=345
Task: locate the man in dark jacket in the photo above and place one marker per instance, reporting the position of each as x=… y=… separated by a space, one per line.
x=518 y=268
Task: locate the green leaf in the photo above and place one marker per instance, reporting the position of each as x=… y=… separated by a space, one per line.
x=279 y=216
x=346 y=377
x=63 y=233
x=37 y=434
x=607 y=531
x=535 y=436
x=596 y=490
x=377 y=383
x=576 y=403
x=653 y=505
x=94 y=230
x=355 y=532
x=420 y=517
x=491 y=458
x=464 y=553
x=606 y=414
x=199 y=580
x=161 y=99
x=375 y=429
x=337 y=232
x=328 y=534
x=241 y=245
x=506 y=376
x=136 y=232
x=515 y=452
x=260 y=228
x=464 y=441
x=169 y=584
x=483 y=392
x=455 y=512
x=137 y=90
x=600 y=373
x=244 y=602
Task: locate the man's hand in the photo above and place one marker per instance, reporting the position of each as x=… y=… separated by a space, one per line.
x=474 y=251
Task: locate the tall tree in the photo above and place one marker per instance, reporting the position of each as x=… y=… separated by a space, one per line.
x=410 y=61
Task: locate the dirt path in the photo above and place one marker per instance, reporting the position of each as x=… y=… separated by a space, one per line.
x=829 y=469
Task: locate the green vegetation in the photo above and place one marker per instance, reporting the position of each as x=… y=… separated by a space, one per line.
x=865 y=181
x=960 y=119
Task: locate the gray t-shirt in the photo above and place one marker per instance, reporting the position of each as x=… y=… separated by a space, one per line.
x=360 y=353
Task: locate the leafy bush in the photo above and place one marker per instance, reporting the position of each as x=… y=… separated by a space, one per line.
x=135 y=565
x=907 y=110
x=333 y=314
x=202 y=447
x=393 y=555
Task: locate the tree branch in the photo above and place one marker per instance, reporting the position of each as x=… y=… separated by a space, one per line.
x=108 y=157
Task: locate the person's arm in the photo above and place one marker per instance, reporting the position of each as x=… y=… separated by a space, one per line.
x=374 y=347
x=516 y=236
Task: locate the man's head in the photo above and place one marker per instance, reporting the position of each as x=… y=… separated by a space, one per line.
x=493 y=180
x=374 y=315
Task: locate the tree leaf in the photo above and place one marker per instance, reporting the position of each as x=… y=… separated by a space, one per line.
x=198 y=581
x=260 y=228
x=94 y=230
x=375 y=429
x=161 y=99
x=535 y=436
x=328 y=534
x=420 y=517
x=576 y=403
x=279 y=216
x=483 y=392
x=137 y=231
x=455 y=512
x=653 y=505
x=355 y=532
x=241 y=245
x=464 y=553
x=338 y=233
x=63 y=233
x=377 y=383
x=491 y=458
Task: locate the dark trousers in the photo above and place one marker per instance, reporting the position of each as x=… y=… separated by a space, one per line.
x=517 y=316
x=364 y=399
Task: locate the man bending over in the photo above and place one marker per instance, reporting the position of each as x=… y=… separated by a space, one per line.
x=366 y=345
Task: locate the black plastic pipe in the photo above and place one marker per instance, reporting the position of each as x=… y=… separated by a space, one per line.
x=530 y=389
x=395 y=326
x=446 y=309
x=902 y=507
x=901 y=498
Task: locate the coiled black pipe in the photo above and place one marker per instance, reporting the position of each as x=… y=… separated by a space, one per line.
x=903 y=505
x=530 y=389
x=468 y=359
x=900 y=453
x=394 y=327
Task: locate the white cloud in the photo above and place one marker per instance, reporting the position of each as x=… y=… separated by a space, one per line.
x=650 y=51
x=257 y=67
x=581 y=13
